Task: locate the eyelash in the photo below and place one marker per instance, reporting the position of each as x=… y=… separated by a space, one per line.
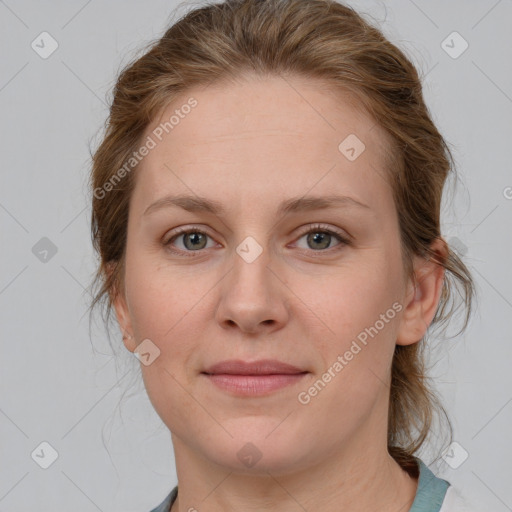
x=315 y=228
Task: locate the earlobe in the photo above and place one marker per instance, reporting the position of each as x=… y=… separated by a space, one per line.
x=129 y=342
x=422 y=298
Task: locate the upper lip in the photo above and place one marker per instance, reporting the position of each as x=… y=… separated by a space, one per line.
x=261 y=367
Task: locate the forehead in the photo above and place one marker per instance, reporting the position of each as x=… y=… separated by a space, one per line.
x=259 y=135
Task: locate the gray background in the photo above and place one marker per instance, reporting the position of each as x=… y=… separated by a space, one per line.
x=63 y=386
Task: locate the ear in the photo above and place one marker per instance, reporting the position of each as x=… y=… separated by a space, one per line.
x=423 y=294
x=118 y=299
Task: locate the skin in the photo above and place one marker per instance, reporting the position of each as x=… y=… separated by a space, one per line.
x=251 y=145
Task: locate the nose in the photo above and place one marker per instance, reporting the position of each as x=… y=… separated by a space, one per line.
x=252 y=297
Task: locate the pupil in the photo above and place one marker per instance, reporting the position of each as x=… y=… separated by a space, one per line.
x=194 y=239
x=321 y=237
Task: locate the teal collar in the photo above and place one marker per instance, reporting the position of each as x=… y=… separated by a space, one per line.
x=165 y=506
x=431 y=490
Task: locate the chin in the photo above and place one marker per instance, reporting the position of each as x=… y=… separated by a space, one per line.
x=257 y=447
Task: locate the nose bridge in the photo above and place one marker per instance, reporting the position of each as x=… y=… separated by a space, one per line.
x=250 y=276
x=251 y=295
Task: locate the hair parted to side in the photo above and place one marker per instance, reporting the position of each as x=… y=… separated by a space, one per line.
x=323 y=40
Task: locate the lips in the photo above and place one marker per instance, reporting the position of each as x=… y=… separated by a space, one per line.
x=253 y=379
x=261 y=367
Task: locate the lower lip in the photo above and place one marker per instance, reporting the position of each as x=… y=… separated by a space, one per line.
x=254 y=385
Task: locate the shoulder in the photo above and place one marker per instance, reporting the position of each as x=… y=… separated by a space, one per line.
x=455 y=502
x=165 y=506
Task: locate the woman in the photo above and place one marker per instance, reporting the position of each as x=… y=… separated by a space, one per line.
x=267 y=213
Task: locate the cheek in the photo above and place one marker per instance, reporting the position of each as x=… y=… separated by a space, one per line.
x=167 y=311
x=168 y=308
x=356 y=298
x=160 y=299
x=361 y=312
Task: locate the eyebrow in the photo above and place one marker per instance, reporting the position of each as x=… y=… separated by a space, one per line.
x=295 y=204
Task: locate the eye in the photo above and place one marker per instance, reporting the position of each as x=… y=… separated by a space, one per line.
x=319 y=238
x=192 y=240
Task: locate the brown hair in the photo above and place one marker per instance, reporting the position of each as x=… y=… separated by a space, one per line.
x=323 y=40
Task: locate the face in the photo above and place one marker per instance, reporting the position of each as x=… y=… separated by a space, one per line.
x=318 y=285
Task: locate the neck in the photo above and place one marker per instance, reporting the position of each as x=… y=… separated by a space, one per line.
x=355 y=480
